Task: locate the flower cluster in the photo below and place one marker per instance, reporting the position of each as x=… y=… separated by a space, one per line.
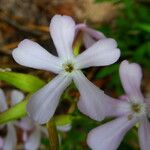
x=93 y=102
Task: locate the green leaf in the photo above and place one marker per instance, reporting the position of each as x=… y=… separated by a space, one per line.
x=16 y=112
x=107 y=71
x=25 y=82
x=143 y=26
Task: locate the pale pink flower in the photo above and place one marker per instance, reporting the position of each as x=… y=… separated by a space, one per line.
x=134 y=108
x=9 y=142
x=43 y=103
x=90 y=36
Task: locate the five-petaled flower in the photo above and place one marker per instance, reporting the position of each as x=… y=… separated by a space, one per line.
x=133 y=108
x=9 y=141
x=43 y=103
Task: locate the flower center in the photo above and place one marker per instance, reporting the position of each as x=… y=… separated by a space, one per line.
x=69 y=67
x=136 y=108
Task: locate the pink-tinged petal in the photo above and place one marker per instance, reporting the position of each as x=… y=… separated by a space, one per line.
x=1 y=143
x=25 y=136
x=147 y=101
x=109 y=135
x=92 y=32
x=11 y=138
x=16 y=97
x=34 y=141
x=3 y=104
x=90 y=36
x=26 y=124
x=131 y=75
x=94 y=102
x=144 y=134
x=124 y=98
x=62 y=30
x=88 y=40
x=64 y=128
x=102 y=53
x=31 y=54
x=43 y=103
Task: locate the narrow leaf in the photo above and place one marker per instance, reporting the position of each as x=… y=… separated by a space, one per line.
x=25 y=82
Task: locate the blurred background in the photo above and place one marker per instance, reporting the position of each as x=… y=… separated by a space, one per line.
x=127 y=21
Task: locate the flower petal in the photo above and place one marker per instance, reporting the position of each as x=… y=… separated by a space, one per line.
x=26 y=124
x=90 y=36
x=3 y=104
x=16 y=97
x=147 y=101
x=43 y=103
x=31 y=54
x=144 y=134
x=1 y=143
x=131 y=75
x=62 y=29
x=34 y=140
x=102 y=53
x=11 y=138
x=109 y=135
x=93 y=102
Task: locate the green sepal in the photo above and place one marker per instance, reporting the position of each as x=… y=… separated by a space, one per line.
x=15 y=112
x=25 y=82
x=61 y=120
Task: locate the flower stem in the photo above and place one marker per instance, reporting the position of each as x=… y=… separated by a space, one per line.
x=53 y=135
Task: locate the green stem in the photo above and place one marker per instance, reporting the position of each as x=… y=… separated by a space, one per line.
x=53 y=135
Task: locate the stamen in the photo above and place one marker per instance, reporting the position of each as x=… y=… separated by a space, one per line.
x=136 y=107
x=69 y=67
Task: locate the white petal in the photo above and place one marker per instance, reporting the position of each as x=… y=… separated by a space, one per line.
x=3 y=104
x=26 y=124
x=43 y=103
x=131 y=75
x=102 y=53
x=11 y=138
x=31 y=54
x=62 y=29
x=16 y=97
x=1 y=143
x=64 y=128
x=94 y=102
x=144 y=134
x=109 y=135
x=34 y=141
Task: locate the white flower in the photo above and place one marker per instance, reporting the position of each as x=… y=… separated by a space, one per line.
x=10 y=141
x=132 y=109
x=43 y=103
